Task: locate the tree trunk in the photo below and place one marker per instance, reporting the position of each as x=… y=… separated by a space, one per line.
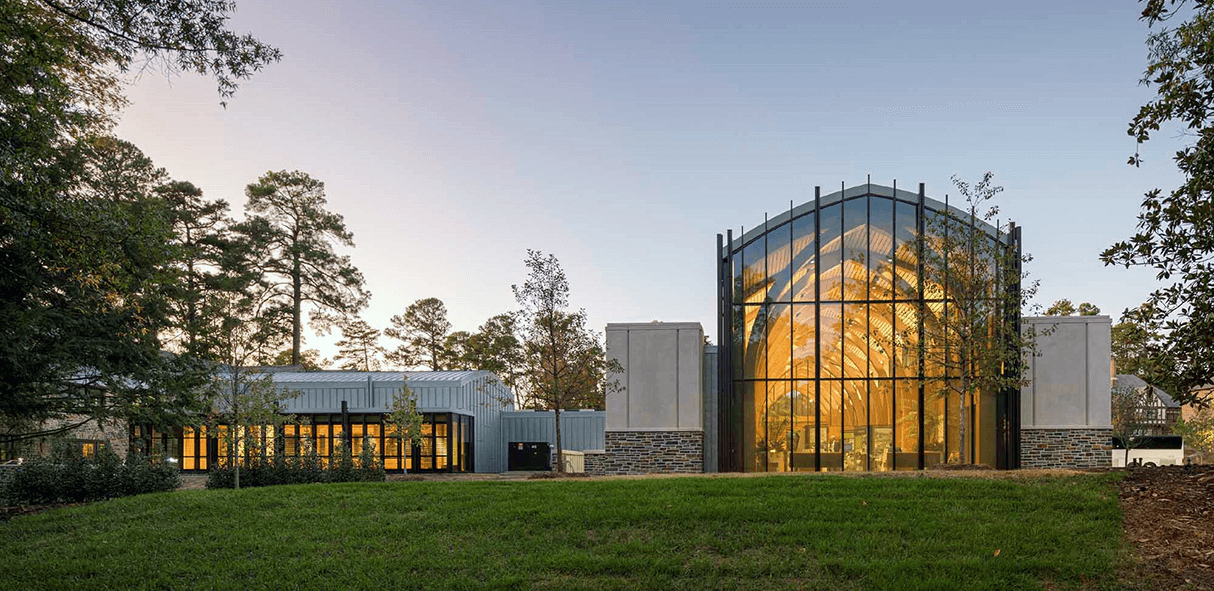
x=191 y=303
x=560 y=452
x=236 y=433
x=961 y=447
x=296 y=294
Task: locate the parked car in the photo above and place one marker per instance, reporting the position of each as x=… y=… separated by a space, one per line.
x=1150 y=450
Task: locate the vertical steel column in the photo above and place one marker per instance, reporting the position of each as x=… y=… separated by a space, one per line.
x=818 y=329
x=842 y=319
x=868 y=324
x=729 y=448
x=766 y=315
x=893 y=320
x=723 y=355
x=1014 y=398
x=944 y=291
x=792 y=373
x=345 y=425
x=920 y=214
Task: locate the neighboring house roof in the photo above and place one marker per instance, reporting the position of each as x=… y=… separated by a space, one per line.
x=1133 y=381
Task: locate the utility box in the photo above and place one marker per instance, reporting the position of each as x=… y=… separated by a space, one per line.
x=529 y=455
x=575 y=461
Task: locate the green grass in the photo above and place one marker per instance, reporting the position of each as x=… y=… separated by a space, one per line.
x=746 y=533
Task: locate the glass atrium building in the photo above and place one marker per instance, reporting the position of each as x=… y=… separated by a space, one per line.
x=821 y=312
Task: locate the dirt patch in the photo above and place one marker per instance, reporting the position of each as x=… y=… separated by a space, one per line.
x=551 y=475
x=1169 y=523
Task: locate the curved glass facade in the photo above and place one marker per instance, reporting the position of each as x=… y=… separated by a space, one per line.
x=821 y=313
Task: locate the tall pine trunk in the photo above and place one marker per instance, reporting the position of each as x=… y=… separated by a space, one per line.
x=296 y=306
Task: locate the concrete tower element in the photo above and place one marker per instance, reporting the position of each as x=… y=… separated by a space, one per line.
x=655 y=420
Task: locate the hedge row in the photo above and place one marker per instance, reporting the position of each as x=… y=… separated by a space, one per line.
x=307 y=469
x=66 y=477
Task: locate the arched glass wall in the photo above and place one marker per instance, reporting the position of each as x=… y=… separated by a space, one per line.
x=822 y=310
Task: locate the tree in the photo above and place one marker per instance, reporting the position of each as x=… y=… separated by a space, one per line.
x=423 y=328
x=1176 y=230
x=309 y=359
x=81 y=270
x=1131 y=415
x=564 y=363
x=1198 y=432
x=359 y=348
x=457 y=351
x=200 y=241
x=496 y=347
x=1064 y=307
x=973 y=344
x=294 y=233
x=403 y=422
x=244 y=399
x=1060 y=308
x=1139 y=349
x=180 y=36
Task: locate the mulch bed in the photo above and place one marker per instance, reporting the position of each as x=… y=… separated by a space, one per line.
x=1169 y=522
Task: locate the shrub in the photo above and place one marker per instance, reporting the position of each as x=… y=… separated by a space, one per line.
x=65 y=477
x=342 y=467
x=369 y=468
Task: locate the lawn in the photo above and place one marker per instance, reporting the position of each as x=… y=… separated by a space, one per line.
x=813 y=531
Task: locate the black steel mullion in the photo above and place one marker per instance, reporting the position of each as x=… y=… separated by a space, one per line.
x=920 y=213
x=893 y=321
x=792 y=367
x=723 y=307
x=725 y=399
x=842 y=341
x=817 y=329
x=766 y=311
x=868 y=326
x=1014 y=419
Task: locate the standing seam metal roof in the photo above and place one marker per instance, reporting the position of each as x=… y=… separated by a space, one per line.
x=327 y=376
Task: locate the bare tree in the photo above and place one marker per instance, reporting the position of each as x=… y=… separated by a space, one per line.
x=1132 y=415
x=970 y=339
x=565 y=364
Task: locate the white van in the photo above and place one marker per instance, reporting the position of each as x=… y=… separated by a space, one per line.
x=1150 y=450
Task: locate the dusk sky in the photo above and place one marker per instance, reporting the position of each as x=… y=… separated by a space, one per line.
x=622 y=137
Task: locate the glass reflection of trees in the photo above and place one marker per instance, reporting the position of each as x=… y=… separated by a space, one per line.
x=825 y=325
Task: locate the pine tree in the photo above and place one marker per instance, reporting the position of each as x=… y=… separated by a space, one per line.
x=423 y=328
x=295 y=236
x=359 y=348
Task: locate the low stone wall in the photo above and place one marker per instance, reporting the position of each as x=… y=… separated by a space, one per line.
x=115 y=434
x=595 y=459
x=1066 y=448
x=649 y=452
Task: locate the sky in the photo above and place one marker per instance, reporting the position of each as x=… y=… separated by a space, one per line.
x=622 y=137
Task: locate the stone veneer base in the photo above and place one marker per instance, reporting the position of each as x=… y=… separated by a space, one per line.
x=1066 y=448
x=649 y=452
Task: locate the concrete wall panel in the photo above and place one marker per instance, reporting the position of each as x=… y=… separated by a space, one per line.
x=617 y=402
x=653 y=379
x=1070 y=376
x=662 y=384
x=690 y=374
